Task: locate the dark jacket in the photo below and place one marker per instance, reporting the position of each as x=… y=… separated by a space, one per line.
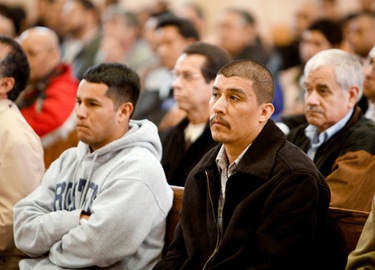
x=274 y=217
x=347 y=161
x=177 y=162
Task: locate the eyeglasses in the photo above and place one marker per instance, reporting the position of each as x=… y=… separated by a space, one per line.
x=186 y=76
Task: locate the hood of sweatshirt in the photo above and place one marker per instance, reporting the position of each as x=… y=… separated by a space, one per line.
x=141 y=133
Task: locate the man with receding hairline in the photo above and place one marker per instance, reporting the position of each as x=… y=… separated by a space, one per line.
x=188 y=141
x=255 y=201
x=48 y=102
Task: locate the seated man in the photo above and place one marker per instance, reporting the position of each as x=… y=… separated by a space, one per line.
x=255 y=201
x=187 y=142
x=49 y=100
x=105 y=202
x=173 y=34
x=337 y=137
x=21 y=152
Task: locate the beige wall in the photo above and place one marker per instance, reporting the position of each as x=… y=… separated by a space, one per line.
x=269 y=13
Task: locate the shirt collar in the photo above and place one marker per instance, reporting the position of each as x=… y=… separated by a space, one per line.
x=222 y=159
x=317 y=139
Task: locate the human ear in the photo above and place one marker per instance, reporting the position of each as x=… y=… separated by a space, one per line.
x=125 y=111
x=353 y=95
x=267 y=110
x=6 y=84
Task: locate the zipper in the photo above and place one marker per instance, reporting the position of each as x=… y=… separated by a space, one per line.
x=217 y=225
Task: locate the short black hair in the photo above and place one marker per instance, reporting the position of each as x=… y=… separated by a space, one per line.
x=257 y=73
x=16 y=14
x=330 y=30
x=216 y=58
x=123 y=82
x=185 y=27
x=14 y=65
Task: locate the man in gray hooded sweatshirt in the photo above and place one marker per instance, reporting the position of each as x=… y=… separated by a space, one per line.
x=103 y=203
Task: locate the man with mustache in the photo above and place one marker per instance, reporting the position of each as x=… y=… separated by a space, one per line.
x=337 y=137
x=105 y=202
x=255 y=201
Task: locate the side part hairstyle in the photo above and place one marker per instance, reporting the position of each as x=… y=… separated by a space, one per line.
x=329 y=29
x=260 y=76
x=14 y=65
x=185 y=27
x=216 y=58
x=347 y=67
x=123 y=82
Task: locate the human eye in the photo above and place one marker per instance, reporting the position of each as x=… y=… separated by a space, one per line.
x=323 y=90
x=215 y=94
x=234 y=98
x=188 y=76
x=92 y=104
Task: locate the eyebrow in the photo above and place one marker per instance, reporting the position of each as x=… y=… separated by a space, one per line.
x=88 y=99
x=231 y=90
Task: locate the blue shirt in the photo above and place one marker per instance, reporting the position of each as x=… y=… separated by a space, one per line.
x=316 y=139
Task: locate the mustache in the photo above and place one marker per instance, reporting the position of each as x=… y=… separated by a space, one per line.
x=313 y=109
x=217 y=118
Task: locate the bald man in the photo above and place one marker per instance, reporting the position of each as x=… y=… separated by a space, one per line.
x=49 y=100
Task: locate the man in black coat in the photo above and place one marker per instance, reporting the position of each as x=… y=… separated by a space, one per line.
x=255 y=201
x=185 y=144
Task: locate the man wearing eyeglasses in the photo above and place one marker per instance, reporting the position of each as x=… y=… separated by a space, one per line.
x=186 y=143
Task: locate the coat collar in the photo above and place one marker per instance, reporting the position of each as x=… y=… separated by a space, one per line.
x=256 y=160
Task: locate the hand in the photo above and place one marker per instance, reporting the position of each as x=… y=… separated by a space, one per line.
x=84 y=215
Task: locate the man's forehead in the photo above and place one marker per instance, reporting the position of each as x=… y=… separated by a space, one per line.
x=233 y=83
x=91 y=87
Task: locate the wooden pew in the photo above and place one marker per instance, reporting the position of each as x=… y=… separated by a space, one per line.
x=346 y=228
x=173 y=216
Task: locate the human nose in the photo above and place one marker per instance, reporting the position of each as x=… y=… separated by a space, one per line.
x=369 y=70
x=80 y=111
x=218 y=105
x=312 y=98
x=177 y=81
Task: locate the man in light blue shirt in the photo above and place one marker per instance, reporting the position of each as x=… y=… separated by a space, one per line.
x=337 y=136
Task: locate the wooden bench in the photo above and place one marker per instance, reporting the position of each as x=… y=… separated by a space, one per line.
x=173 y=216
x=346 y=227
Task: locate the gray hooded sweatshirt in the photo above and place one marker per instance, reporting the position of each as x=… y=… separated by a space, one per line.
x=121 y=185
